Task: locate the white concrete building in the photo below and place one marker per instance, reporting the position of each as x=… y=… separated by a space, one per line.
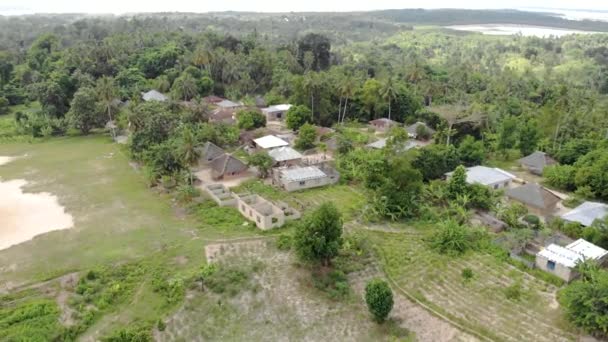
x=269 y=141
x=586 y=213
x=561 y=261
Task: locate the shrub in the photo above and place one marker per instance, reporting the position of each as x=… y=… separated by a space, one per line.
x=379 y=299
x=533 y=221
x=333 y=283
x=514 y=292
x=186 y=193
x=284 y=242
x=453 y=238
x=467 y=274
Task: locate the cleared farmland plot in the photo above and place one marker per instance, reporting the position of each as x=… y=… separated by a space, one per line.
x=482 y=303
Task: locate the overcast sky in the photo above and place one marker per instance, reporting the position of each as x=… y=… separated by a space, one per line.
x=125 y=6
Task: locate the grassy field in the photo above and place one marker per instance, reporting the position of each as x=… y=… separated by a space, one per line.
x=116 y=217
x=500 y=301
x=275 y=303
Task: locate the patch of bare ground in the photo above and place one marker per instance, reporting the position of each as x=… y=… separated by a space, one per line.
x=281 y=305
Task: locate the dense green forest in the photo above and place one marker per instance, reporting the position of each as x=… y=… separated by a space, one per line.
x=490 y=99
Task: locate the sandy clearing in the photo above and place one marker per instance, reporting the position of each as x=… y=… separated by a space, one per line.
x=26 y=215
x=6 y=159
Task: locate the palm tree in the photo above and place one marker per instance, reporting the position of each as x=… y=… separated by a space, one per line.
x=107 y=93
x=188 y=151
x=347 y=89
x=389 y=93
x=310 y=85
x=202 y=58
x=185 y=87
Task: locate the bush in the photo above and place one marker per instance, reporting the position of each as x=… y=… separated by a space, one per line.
x=560 y=176
x=453 y=238
x=467 y=274
x=231 y=279
x=533 y=221
x=284 y=242
x=514 y=292
x=137 y=333
x=334 y=283
x=379 y=299
x=250 y=119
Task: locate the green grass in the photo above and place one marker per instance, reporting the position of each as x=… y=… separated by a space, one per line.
x=486 y=303
x=116 y=217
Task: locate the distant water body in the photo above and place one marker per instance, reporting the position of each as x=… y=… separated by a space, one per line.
x=524 y=30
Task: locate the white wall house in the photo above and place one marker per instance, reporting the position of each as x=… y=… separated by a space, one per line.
x=562 y=261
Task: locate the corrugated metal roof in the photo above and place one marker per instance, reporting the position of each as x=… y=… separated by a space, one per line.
x=270 y=141
x=277 y=108
x=380 y=144
x=284 y=153
x=154 y=95
x=561 y=255
x=486 y=175
x=587 y=249
x=302 y=173
x=227 y=104
x=586 y=213
x=573 y=253
x=537 y=161
x=534 y=195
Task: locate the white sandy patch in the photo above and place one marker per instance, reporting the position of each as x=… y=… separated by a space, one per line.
x=6 y=160
x=26 y=215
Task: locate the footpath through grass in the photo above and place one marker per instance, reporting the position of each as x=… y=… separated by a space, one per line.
x=500 y=301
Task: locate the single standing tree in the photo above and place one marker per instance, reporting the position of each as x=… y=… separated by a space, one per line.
x=389 y=93
x=379 y=299
x=306 y=137
x=262 y=161
x=184 y=87
x=297 y=116
x=319 y=236
x=107 y=93
x=84 y=113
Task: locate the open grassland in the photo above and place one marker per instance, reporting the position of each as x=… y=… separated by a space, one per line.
x=116 y=216
x=273 y=300
x=500 y=302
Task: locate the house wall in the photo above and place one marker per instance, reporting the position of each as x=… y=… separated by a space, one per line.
x=312 y=183
x=500 y=185
x=560 y=270
x=292 y=162
x=275 y=116
x=226 y=176
x=261 y=221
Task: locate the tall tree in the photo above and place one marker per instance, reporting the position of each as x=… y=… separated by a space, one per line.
x=84 y=111
x=188 y=151
x=107 y=91
x=389 y=93
x=319 y=236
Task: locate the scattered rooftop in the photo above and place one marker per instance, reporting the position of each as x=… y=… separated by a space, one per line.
x=534 y=195
x=573 y=253
x=284 y=153
x=302 y=174
x=586 y=213
x=277 y=108
x=383 y=122
x=227 y=164
x=270 y=141
x=154 y=95
x=210 y=151
x=537 y=161
x=227 y=104
x=486 y=175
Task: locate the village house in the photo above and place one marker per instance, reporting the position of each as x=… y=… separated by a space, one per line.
x=265 y=214
x=223 y=115
x=276 y=112
x=383 y=124
x=561 y=261
x=227 y=104
x=227 y=167
x=494 y=178
x=269 y=142
x=381 y=143
x=537 y=199
x=536 y=162
x=208 y=152
x=285 y=156
x=299 y=178
x=586 y=213
x=154 y=95
x=412 y=130
x=212 y=99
